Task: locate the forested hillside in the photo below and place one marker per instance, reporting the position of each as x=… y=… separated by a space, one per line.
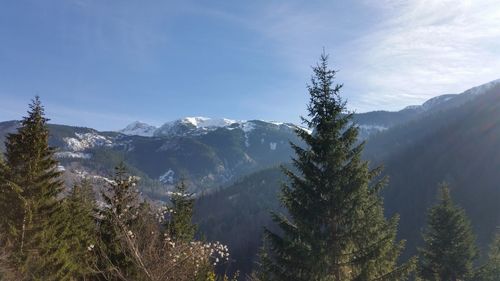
x=457 y=144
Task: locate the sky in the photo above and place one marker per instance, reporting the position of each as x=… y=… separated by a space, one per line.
x=106 y=63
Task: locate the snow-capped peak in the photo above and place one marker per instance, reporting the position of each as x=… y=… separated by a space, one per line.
x=204 y=122
x=193 y=126
x=139 y=129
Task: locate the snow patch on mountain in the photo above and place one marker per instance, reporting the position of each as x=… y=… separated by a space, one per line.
x=483 y=88
x=247 y=127
x=204 y=122
x=86 y=175
x=193 y=126
x=290 y=126
x=168 y=177
x=139 y=129
x=70 y=154
x=196 y=126
x=272 y=145
x=85 y=141
x=435 y=101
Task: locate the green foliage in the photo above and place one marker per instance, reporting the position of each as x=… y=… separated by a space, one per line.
x=33 y=210
x=336 y=228
x=449 y=249
x=122 y=210
x=179 y=223
x=491 y=270
x=80 y=230
x=7 y=202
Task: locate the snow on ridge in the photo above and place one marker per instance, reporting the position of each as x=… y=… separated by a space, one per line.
x=138 y=128
x=70 y=154
x=199 y=126
x=247 y=127
x=483 y=88
x=86 y=140
x=478 y=90
x=86 y=175
x=274 y=122
x=205 y=122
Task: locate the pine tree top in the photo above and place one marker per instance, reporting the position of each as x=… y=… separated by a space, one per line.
x=449 y=249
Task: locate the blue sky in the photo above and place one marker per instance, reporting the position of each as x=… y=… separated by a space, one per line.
x=106 y=63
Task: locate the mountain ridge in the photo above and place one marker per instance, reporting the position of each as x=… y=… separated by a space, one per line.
x=369 y=122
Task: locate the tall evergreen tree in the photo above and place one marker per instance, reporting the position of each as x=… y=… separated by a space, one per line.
x=80 y=232
x=491 y=270
x=33 y=186
x=449 y=249
x=5 y=203
x=179 y=224
x=335 y=228
x=123 y=206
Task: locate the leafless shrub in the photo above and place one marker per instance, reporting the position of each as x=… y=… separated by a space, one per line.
x=157 y=257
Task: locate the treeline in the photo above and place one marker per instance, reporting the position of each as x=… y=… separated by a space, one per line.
x=332 y=227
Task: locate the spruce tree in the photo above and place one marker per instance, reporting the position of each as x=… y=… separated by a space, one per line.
x=449 y=249
x=335 y=227
x=80 y=232
x=179 y=225
x=491 y=270
x=33 y=186
x=6 y=202
x=122 y=211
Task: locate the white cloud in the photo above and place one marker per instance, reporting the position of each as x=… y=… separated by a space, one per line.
x=391 y=53
x=428 y=48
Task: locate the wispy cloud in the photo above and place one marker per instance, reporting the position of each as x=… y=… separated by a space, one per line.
x=427 y=48
x=391 y=53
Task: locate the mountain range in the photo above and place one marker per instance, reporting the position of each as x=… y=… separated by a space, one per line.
x=232 y=165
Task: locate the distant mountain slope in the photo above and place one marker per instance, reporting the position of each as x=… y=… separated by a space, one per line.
x=371 y=123
x=457 y=142
x=207 y=156
x=459 y=145
x=237 y=214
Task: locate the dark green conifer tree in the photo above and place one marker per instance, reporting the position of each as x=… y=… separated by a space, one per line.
x=80 y=232
x=491 y=270
x=6 y=202
x=122 y=211
x=179 y=224
x=33 y=186
x=449 y=249
x=335 y=228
